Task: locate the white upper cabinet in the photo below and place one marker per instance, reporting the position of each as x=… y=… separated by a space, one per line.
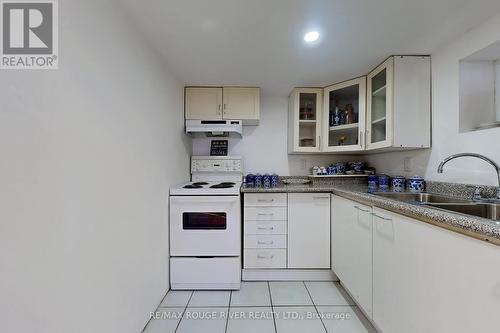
x=399 y=104
x=216 y=103
x=241 y=103
x=304 y=120
x=344 y=116
x=203 y=103
x=389 y=109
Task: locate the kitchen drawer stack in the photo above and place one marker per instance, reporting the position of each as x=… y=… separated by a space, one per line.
x=265 y=228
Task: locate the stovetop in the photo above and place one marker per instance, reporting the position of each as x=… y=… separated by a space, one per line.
x=206 y=188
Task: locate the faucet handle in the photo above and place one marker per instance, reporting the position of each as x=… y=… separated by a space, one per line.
x=477 y=192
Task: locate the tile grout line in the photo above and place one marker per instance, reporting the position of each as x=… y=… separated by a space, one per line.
x=228 y=309
x=272 y=307
x=314 y=304
x=184 y=311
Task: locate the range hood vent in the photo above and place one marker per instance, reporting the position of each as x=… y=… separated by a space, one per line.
x=214 y=127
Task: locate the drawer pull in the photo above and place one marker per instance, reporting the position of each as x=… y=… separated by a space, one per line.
x=264 y=228
x=263 y=200
x=264 y=214
x=381 y=217
x=321 y=198
x=265 y=243
x=361 y=209
x=265 y=257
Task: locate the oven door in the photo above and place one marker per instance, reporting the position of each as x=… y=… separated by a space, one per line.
x=205 y=226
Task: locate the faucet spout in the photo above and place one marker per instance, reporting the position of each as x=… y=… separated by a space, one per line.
x=482 y=157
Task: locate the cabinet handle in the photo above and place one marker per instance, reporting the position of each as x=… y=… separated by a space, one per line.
x=381 y=217
x=321 y=198
x=262 y=200
x=263 y=214
x=224 y=106
x=263 y=228
x=265 y=257
x=265 y=243
x=361 y=209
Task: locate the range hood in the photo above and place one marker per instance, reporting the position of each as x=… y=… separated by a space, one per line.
x=214 y=127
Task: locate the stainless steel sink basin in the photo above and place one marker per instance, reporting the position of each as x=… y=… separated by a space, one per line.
x=420 y=197
x=485 y=210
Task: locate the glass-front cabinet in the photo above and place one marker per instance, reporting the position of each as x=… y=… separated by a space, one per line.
x=380 y=106
x=344 y=116
x=305 y=120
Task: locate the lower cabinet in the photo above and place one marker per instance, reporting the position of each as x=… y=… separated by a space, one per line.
x=286 y=230
x=413 y=277
x=428 y=279
x=352 y=249
x=309 y=230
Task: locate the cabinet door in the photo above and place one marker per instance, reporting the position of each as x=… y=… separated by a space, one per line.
x=429 y=279
x=344 y=116
x=352 y=249
x=305 y=120
x=203 y=103
x=308 y=230
x=241 y=103
x=380 y=106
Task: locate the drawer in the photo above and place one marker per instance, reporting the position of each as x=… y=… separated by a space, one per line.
x=265 y=213
x=265 y=199
x=256 y=258
x=264 y=241
x=264 y=227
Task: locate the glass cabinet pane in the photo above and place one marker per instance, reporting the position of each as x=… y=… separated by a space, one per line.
x=307 y=119
x=378 y=107
x=343 y=116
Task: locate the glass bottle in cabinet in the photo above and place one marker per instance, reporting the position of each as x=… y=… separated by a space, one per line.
x=379 y=106
x=305 y=120
x=344 y=116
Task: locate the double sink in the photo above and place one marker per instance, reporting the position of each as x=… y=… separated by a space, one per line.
x=480 y=209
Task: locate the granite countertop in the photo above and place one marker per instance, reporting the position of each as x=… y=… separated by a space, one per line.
x=480 y=228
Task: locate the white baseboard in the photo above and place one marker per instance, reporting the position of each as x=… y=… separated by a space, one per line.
x=288 y=275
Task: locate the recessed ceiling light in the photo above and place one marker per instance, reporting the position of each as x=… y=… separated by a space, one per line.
x=311 y=36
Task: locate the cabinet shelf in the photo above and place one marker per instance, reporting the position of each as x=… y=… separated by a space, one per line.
x=380 y=120
x=344 y=127
x=380 y=92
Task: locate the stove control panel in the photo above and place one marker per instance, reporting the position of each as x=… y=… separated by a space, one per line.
x=216 y=164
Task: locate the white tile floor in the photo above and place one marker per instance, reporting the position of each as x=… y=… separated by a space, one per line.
x=264 y=307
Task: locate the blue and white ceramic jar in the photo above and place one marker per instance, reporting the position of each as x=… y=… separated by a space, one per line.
x=275 y=180
x=341 y=167
x=383 y=182
x=372 y=183
x=258 y=180
x=416 y=184
x=332 y=169
x=398 y=183
x=250 y=180
x=266 y=180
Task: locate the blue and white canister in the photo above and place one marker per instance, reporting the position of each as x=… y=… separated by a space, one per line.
x=266 y=180
x=372 y=183
x=398 y=183
x=275 y=180
x=341 y=166
x=416 y=184
x=383 y=182
x=250 y=180
x=258 y=180
x=332 y=169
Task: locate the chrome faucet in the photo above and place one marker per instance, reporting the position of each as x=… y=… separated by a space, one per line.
x=482 y=157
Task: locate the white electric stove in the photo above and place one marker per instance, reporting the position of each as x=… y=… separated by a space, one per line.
x=205 y=225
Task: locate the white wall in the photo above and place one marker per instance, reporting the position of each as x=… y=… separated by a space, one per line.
x=446 y=139
x=264 y=147
x=87 y=155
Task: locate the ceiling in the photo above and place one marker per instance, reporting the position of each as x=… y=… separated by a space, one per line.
x=260 y=42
